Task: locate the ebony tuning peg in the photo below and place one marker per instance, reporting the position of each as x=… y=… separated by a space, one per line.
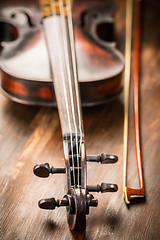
x=104 y=187
x=51 y=203
x=43 y=170
x=91 y=201
x=103 y=158
x=108 y=187
x=106 y=158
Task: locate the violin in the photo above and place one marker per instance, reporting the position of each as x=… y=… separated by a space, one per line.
x=25 y=69
x=97 y=70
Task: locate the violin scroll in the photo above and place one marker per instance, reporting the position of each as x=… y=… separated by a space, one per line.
x=78 y=199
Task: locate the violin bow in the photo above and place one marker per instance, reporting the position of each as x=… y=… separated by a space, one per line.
x=131 y=193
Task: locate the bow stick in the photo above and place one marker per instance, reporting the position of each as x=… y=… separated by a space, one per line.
x=131 y=193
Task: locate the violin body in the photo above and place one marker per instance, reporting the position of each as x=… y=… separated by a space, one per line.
x=25 y=66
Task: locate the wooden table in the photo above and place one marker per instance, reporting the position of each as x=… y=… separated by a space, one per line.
x=29 y=135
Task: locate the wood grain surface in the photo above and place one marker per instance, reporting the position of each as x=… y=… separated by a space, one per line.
x=29 y=135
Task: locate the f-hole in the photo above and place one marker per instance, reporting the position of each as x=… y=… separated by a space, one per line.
x=8 y=32
x=105 y=31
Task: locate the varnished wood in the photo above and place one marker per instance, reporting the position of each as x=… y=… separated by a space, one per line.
x=132 y=193
x=42 y=93
x=30 y=135
x=100 y=63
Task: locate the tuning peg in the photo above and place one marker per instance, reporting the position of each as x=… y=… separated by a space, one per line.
x=104 y=187
x=51 y=203
x=43 y=170
x=106 y=158
x=92 y=202
x=103 y=158
x=108 y=187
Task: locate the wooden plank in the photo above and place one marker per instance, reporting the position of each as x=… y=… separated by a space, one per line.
x=29 y=135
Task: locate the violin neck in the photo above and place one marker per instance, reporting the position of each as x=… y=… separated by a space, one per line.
x=60 y=42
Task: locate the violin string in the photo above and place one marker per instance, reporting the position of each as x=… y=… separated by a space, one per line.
x=75 y=77
x=67 y=63
x=69 y=66
x=69 y=20
x=68 y=75
x=65 y=93
x=70 y=24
